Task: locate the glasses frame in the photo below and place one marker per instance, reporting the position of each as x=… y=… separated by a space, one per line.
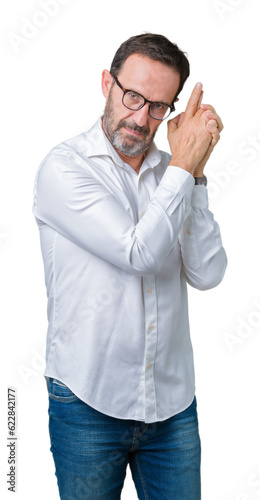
x=172 y=108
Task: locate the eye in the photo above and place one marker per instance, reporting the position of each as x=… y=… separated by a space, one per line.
x=159 y=106
x=133 y=96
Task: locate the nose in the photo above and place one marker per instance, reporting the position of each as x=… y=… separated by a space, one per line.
x=141 y=116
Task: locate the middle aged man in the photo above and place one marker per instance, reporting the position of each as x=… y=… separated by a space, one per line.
x=123 y=227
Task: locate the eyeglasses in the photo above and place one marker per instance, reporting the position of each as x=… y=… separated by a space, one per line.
x=135 y=101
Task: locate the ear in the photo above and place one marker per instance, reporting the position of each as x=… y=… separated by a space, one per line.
x=107 y=80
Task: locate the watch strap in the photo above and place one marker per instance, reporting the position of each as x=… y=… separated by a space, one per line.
x=201 y=181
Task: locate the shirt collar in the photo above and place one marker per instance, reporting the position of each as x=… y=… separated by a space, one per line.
x=99 y=145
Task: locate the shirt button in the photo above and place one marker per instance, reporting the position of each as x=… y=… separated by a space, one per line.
x=151 y=328
x=142 y=214
x=188 y=231
x=149 y=290
x=148 y=366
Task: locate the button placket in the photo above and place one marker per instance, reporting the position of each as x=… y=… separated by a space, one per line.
x=150 y=304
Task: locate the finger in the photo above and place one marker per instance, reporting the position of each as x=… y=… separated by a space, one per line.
x=211 y=114
x=214 y=131
x=214 y=116
x=212 y=126
x=193 y=102
x=174 y=122
x=208 y=107
x=172 y=125
x=215 y=139
x=199 y=103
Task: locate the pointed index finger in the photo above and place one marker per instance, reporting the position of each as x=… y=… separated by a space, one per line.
x=194 y=100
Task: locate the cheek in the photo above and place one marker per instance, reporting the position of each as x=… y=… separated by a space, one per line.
x=125 y=115
x=154 y=127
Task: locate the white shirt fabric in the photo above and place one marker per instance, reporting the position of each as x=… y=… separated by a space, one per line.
x=118 y=248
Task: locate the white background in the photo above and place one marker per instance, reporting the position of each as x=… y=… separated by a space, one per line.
x=50 y=92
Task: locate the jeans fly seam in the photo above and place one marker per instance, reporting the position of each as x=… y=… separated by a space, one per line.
x=141 y=477
x=140 y=433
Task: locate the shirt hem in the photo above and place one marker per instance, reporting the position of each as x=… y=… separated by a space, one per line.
x=109 y=414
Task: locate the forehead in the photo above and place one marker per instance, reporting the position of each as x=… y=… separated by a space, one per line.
x=154 y=79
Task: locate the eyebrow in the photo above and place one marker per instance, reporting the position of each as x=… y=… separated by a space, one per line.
x=135 y=91
x=154 y=102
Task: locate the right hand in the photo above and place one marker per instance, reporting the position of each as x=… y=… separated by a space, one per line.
x=188 y=135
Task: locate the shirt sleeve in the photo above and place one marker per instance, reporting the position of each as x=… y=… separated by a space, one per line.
x=71 y=200
x=203 y=256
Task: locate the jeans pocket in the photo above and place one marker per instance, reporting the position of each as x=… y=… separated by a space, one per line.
x=60 y=392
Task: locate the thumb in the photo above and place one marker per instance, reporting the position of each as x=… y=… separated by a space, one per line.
x=175 y=122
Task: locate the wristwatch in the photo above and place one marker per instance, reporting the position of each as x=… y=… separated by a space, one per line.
x=201 y=181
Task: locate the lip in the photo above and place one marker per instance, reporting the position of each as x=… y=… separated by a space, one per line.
x=133 y=132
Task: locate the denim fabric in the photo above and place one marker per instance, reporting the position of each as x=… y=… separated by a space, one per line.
x=91 y=452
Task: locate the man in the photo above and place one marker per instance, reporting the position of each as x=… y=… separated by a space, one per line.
x=123 y=227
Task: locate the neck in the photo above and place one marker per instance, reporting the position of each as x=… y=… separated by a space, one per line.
x=134 y=161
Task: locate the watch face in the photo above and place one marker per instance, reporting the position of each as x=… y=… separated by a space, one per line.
x=201 y=181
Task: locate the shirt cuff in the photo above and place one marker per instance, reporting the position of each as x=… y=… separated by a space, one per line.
x=178 y=179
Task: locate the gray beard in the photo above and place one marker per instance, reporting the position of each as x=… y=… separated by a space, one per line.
x=134 y=148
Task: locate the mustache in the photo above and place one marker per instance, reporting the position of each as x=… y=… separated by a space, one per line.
x=133 y=126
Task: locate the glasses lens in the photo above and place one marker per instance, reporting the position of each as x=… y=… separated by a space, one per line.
x=132 y=100
x=159 y=111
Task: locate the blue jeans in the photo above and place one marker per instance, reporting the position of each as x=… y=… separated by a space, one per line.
x=91 y=452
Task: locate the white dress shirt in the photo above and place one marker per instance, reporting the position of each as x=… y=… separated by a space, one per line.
x=118 y=248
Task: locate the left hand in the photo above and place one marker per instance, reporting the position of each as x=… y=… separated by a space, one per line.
x=214 y=126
